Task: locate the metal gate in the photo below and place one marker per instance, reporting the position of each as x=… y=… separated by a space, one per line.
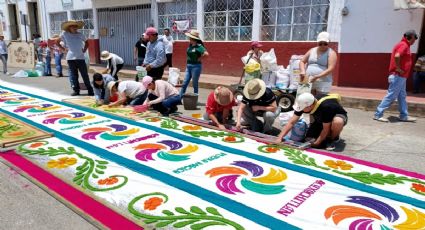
x=120 y=28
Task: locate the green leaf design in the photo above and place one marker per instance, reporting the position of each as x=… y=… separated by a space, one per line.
x=99 y=171
x=205 y=224
x=182 y=224
x=168 y=123
x=196 y=219
x=197 y=210
x=213 y=211
x=168 y=212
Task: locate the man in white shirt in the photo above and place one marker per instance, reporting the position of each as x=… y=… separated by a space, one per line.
x=168 y=41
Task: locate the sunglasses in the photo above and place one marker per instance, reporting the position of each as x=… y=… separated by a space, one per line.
x=323 y=44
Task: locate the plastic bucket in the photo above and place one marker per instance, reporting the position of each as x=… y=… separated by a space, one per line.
x=141 y=71
x=190 y=100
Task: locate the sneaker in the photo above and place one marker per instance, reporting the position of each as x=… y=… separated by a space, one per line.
x=407 y=119
x=381 y=119
x=75 y=93
x=331 y=146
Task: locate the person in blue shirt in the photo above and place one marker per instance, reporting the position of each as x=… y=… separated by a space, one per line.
x=155 y=55
x=101 y=92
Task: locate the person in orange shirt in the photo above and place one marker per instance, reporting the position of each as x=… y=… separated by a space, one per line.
x=219 y=106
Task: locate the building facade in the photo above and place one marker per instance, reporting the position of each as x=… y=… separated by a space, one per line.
x=363 y=32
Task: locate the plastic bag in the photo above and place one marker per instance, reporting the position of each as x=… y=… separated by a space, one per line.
x=33 y=73
x=20 y=73
x=252 y=67
x=304 y=88
x=173 y=76
x=294 y=71
x=299 y=130
x=282 y=78
x=269 y=78
x=269 y=61
x=250 y=76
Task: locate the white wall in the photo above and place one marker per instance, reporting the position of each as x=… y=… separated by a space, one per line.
x=118 y=3
x=373 y=26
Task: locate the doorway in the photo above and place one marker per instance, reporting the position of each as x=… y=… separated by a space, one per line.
x=33 y=18
x=13 y=19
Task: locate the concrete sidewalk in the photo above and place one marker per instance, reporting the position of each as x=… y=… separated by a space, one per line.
x=358 y=98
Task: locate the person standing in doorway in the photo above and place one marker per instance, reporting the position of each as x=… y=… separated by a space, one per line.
x=115 y=63
x=419 y=74
x=140 y=49
x=400 y=67
x=168 y=42
x=155 y=55
x=74 y=41
x=196 y=52
x=3 y=54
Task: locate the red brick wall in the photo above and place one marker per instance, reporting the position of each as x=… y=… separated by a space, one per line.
x=365 y=70
x=225 y=57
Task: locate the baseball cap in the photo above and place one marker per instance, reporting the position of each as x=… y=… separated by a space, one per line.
x=256 y=44
x=323 y=37
x=146 y=81
x=151 y=31
x=303 y=101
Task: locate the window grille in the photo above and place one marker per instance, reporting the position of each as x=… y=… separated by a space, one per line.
x=228 y=20
x=87 y=17
x=168 y=12
x=56 y=20
x=293 y=20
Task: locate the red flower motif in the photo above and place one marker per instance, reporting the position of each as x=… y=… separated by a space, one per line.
x=418 y=187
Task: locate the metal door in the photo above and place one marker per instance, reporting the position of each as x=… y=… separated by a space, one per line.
x=120 y=28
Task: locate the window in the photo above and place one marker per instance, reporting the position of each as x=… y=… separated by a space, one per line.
x=293 y=20
x=228 y=20
x=87 y=17
x=56 y=20
x=168 y=12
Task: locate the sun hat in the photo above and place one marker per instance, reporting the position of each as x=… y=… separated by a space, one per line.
x=256 y=44
x=55 y=36
x=303 y=101
x=67 y=24
x=223 y=96
x=146 y=81
x=105 y=55
x=151 y=31
x=193 y=34
x=254 y=89
x=323 y=37
x=111 y=85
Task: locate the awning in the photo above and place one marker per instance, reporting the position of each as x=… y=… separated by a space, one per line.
x=408 y=4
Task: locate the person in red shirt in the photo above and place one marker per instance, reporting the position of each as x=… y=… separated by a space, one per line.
x=219 y=106
x=400 y=67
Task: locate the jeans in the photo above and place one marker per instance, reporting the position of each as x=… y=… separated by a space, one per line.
x=119 y=67
x=4 y=60
x=138 y=100
x=167 y=105
x=169 y=60
x=58 y=63
x=418 y=78
x=193 y=71
x=396 y=90
x=48 y=66
x=140 y=61
x=74 y=67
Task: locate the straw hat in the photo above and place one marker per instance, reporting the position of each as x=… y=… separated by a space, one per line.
x=105 y=55
x=193 y=34
x=67 y=24
x=223 y=96
x=254 y=89
x=110 y=86
x=303 y=101
x=55 y=36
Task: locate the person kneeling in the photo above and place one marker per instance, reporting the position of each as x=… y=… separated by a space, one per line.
x=129 y=92
x=257 y=101
x=219 y=106
x=163 y=96
x=329 y=119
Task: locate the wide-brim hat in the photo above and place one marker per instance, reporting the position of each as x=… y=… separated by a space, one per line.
x=110 y=86
x=254 y=89
x=193 y=34
x=223 y=96
x=105 y=55
x=67 y=24
x=55 y=36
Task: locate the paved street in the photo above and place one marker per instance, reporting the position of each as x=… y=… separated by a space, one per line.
x=396 y=144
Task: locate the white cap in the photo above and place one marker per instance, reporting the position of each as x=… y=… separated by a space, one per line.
x=323 y=37
x=303 y=101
